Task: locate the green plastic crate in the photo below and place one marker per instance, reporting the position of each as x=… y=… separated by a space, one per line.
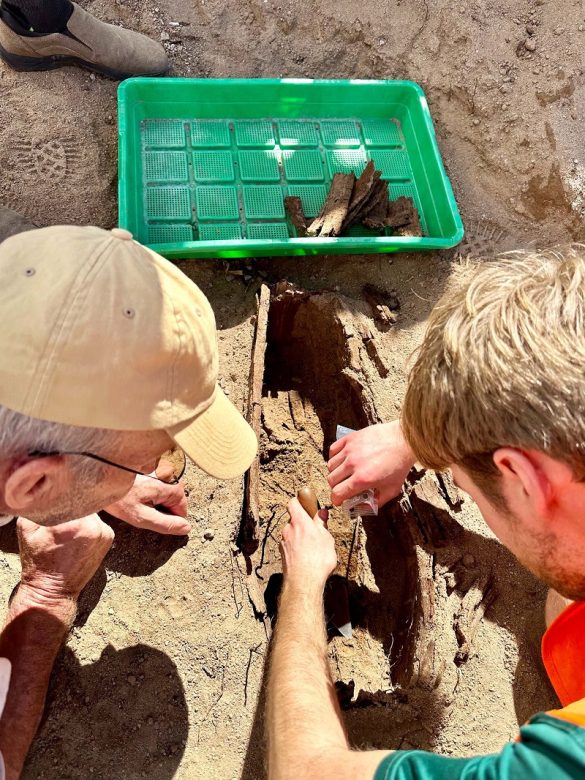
x=205 y=164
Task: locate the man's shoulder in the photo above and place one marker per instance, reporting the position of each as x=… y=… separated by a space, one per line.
x=550 y=745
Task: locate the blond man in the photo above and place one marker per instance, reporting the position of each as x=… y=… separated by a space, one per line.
x=497 y=395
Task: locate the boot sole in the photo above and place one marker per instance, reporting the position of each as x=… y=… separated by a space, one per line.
x=22 y=64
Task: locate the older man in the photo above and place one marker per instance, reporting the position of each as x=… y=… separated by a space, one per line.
x=497 y=394
x=109 y=358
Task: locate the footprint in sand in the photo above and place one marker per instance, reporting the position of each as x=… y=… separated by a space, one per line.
x=52 y=160
x=483 y=239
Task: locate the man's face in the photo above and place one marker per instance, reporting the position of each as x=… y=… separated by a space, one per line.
x=550 y=544
x=63 y=495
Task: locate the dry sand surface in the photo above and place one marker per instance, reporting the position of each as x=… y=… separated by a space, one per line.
x=162 y=674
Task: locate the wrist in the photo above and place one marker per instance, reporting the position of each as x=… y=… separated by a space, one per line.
x=406 y=450
x=304 y=588
x=36 y=595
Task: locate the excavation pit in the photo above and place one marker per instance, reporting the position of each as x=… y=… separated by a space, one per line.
x=315 y=376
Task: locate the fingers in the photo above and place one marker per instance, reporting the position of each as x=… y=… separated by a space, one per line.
x=173 y=498
x=346 y=489
x=299 y=516
x=296 y=512
x=341 y=472
x=336 y=461
x=151 y=519
x=337 y=446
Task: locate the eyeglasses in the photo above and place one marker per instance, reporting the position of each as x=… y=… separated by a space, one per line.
x=178 y=463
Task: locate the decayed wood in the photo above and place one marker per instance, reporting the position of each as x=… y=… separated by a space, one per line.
x=363 y=186
x=403 y=217
x=351 y=201
x=297 y=409
x=469 y=616
x=425 y=671
x=371 y=345
x=375 y=216
x=432 y=527
x=450 y=491
x=330 y=220
x=248 y=537
x=384 y=305
x=361 y=194
x=294 y=207
x=436 y=525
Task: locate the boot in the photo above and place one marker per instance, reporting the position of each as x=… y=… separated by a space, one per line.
x=104 y=48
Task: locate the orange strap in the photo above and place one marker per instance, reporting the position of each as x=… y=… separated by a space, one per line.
x=563 y=654
x=574 y=713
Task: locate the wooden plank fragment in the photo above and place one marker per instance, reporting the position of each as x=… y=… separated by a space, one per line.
x=294 y=208
x=248 y=537
x=468 y=619
x=375 y=216
x=403 y=217
x=361 y=206
x=297 y=409
x=332 y=215
x=363 y=187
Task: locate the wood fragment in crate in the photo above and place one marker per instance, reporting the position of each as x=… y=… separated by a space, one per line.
x=403 y=217
x=331 y=217
x=377 y=208
x=352 y=201
x=361 y=194
x=294 y=208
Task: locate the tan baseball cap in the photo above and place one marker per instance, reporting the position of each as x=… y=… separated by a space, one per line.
x=99 y=331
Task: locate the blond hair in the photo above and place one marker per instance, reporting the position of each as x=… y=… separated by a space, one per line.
x=503 y=364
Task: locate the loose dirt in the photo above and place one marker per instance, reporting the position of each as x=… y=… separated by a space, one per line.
x=162 y=674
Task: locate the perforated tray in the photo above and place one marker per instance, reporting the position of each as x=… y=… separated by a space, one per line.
x=205 y=165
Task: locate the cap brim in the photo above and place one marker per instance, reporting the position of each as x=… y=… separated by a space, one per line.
x=219 y=440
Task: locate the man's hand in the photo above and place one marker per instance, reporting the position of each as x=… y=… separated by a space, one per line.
x=58 y=561
x=141 y=506
x=377 y=457
x=308 y=549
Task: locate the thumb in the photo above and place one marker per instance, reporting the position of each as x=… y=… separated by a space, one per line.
x=322 y=516
x=22 y=524
x=25 y=528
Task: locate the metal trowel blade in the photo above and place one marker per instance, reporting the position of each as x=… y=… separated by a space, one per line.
x=337 y=605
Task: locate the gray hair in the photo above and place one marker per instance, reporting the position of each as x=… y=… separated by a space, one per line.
x=21 y=434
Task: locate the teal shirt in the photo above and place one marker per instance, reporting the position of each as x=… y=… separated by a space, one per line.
x=549 y=748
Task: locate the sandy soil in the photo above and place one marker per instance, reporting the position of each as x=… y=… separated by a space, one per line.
x=161 y=676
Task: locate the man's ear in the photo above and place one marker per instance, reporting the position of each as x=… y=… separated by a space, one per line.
x=35 y=483
x=526 y=477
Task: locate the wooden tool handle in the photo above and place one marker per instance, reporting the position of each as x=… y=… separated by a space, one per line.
x=308 y=500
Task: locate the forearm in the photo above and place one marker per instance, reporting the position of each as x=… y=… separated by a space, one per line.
x=303 y=713
x=34 y=632
x=306 y=736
